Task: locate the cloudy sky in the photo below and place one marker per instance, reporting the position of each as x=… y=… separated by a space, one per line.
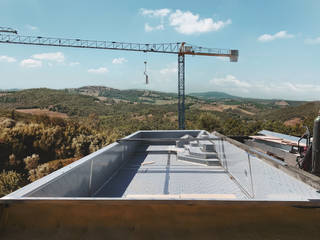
x=279 y=44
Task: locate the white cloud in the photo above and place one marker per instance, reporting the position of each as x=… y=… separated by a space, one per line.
x=98 y=70
x=30 y=63
x=278 y=35
x=155 y=13
x=119 y=60
x=183 y=22
x=7 y=59
x=301 y=88
x=55 y=56
x=32 y=28
x=231 y=81
x=267 y=89
x=286 y=89
x=149 y=28
x=189 y=23
x=312 y=41
x=73 y=64
x=171 y=69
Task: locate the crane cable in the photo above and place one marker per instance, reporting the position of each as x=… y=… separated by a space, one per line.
x=145 y=71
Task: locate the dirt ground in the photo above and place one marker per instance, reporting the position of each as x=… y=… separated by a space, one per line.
x=38 y=111
x=293 y=122
x=221 y=108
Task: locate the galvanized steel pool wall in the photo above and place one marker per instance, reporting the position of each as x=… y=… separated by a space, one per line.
x=86 y=176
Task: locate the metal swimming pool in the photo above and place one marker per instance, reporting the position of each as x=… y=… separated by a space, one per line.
x=167 y=184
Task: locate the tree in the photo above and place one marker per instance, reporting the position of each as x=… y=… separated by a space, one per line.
x=31 y=161
x=9 y=182
x=209 y=122
x=12 y=160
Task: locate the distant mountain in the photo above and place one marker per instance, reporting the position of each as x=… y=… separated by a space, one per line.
x=231 y=99
x=10 y=90
x=213 y=95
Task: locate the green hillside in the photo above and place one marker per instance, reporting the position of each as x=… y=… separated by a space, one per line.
x=102 y=100
x=213 y=95
x=54 y=100
x=303 y=111
x=80 y=102
x=112 y=95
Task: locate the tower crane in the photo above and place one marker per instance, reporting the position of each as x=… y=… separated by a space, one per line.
x=180 y=48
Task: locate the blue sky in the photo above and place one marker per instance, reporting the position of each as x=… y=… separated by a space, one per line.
x=279 y=44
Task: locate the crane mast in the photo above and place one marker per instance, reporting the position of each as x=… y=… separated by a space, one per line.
x=180 y=48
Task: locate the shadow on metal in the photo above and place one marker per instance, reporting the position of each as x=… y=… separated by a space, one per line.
x=158 y=219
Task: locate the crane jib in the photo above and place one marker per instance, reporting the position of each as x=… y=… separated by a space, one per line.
x=173 y=48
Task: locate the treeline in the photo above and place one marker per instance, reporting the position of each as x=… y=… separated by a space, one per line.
x=304 y=111
x=73 y=104
x=27 y=147
x=235 y=126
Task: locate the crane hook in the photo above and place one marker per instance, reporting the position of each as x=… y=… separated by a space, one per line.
x=145 y=72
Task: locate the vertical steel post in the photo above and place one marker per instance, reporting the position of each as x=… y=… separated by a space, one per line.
x=316 y=146
x=181 y=90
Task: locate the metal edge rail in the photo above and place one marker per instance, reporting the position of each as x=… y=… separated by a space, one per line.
x=170 y=139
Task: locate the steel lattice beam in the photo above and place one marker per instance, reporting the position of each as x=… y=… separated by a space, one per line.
x=172 y=48
x=181 y=91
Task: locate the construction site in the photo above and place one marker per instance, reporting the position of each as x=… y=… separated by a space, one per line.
x=172 y=184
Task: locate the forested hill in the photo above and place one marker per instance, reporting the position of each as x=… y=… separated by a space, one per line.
x=303 y=111
x=54 y=100
x=102 y=100
x=113 y=95
x=221 y=96
x=132 y=95
x=87 y=100
x=213 y=95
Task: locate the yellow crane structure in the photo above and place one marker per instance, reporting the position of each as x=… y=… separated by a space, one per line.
x=11 y=36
